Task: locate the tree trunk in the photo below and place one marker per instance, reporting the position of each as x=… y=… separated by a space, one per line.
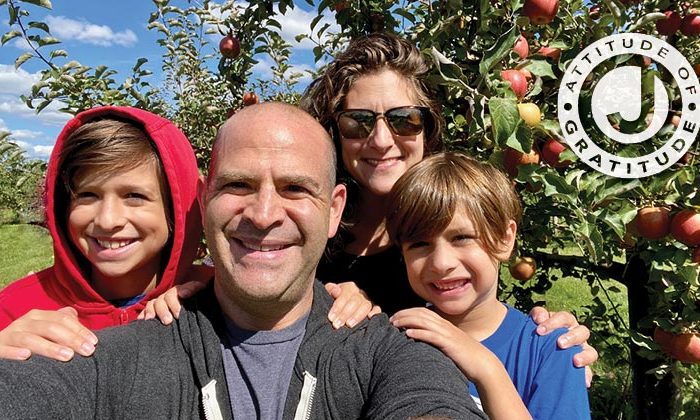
x=653 y=399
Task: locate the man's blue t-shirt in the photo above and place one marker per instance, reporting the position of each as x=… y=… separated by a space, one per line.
x=543 y=374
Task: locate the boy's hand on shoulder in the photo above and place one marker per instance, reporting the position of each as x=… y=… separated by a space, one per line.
x=425 y=325
x=472 y=358
x=577 y=334
x=167 y=306
x=54 y=334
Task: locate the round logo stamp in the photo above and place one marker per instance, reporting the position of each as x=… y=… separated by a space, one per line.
x=619 y=93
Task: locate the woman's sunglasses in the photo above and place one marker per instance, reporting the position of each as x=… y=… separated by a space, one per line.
x=402 y=121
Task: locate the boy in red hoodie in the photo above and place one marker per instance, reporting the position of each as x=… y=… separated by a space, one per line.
x=123 y=216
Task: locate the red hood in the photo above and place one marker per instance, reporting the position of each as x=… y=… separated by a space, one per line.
x=182 y=175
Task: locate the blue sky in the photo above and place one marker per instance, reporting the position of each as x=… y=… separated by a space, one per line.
x=112 y=33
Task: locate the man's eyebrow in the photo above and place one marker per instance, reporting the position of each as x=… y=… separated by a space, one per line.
x=223 y=178
x=302 y=180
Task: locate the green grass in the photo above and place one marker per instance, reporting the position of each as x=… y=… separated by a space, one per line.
x=23 y=248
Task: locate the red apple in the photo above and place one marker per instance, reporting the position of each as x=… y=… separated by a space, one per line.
x=513 y=158
x=685 y=159
x=540 y=12
x=549 y=52
x=670 y=24
x=521 y=47
x=229 y=46
x=526 y=73
x=675 y=120
x=340 y=6
x=685 y=227
x=250 y=98
x=690 y=25
x=653 y=222
x=594 y=12
x=523 y=268
x=683 y=347
x=517 y=81
x=550 y=154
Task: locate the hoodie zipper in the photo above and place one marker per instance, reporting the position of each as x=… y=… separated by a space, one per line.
x=209 y=402
x=306 y=399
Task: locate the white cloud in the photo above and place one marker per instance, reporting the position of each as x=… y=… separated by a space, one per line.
x=263 y=70
x=298 y=21
x=42 y=151
x=69 y=29
x=16 y=82
x=26 y=134
x=34 y=151
x=49 y=115
x=22 y=44
x=23 y=144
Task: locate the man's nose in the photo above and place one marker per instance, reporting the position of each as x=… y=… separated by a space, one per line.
x=265 y=209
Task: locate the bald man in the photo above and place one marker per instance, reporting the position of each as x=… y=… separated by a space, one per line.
x=257 y=343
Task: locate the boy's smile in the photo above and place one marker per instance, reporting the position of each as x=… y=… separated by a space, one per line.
x=119 y=224
x=452 y=270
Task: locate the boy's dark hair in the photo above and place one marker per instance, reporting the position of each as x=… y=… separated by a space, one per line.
x=424 y=200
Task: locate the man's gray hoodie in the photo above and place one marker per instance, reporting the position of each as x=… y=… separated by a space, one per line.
x=147 y=370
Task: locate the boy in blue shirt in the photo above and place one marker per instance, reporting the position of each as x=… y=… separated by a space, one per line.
x=455 y=219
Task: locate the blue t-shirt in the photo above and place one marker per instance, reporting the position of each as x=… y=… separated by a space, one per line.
x=258 y=367
x=543 y=374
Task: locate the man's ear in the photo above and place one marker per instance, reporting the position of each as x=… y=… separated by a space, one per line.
x=338 y=198
x=202 y=194
x=508 y=241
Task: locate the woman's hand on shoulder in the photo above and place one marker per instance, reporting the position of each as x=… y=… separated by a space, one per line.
x=577 y=334
x=54 y=334
x=350 y=306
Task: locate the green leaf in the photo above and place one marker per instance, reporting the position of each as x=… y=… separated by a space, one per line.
x=59 y=53
x=40 y=25
x=9 y=35
x=406 y=15
x=504 y=118
x=450 y=72
x=273 y=22
x=499 y=51
x=48 y=40
x=139 y=63
x=43 y=105
x=521 y=139
x=541 y=68
x=557 y=185
x=159 y=26
x=315 y=21
x=12 y=10
x=46 y=4
x=22 y=59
